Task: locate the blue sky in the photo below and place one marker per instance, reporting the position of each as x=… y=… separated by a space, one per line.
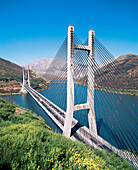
x=33 y=29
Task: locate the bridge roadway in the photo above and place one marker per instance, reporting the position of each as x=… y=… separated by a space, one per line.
x=78 y=132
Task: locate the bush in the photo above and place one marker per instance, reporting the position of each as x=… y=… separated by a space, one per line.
x=27 y=143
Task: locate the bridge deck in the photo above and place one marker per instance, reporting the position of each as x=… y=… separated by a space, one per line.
x=78 y=132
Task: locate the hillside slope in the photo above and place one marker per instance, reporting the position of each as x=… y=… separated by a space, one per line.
x=11 y=78
x=40 y=65
x=120 y=74
x=123 y=73
x=27 y=143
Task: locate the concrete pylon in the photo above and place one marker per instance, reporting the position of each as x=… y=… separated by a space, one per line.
x=28 y=77
x=70 y=83
x=24 y=82
x=90 y=90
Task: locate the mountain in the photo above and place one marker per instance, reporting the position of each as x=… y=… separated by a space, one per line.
x=49 y=68
x=10 y=71
x=52 y=68
x=11 y=78
x=121 y=73
x=118 y=73
x=40 y=65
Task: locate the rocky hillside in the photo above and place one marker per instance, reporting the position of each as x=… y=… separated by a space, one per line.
x=11 y=78
x=122 y=73
x=52 y=68
x=40 y=65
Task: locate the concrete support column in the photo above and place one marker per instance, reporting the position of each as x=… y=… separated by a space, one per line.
x=23 y=80
x=24 y=83
x=70 y=83
x=28 y=77
x=90 y=92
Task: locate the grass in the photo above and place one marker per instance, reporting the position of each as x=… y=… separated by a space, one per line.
x=26 y=142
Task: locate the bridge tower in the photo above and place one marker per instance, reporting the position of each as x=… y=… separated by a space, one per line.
x=24 y=82
x=28 y=77
x=70 y=83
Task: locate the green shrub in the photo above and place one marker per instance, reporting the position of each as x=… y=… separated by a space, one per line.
x=27 y=143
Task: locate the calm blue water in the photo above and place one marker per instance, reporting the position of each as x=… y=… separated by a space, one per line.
x=26 y=101
x=116 y=114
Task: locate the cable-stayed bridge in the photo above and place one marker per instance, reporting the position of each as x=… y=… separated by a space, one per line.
x=81 y=98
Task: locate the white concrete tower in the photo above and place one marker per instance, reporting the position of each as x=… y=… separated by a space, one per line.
x=90 y=91
x=70 y=83
x=23 y=80
x=28 y=77
x=24 y=83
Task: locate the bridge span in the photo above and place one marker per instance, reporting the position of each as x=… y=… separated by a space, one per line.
x=78 y=132
x=80 y=63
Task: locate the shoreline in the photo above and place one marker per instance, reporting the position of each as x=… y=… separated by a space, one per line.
x=4 y=94
x=126 y=92
x=97 y=88
x=120 y=92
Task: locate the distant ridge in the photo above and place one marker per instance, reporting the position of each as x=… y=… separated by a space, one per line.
x=40 y=65
x=125 y=72
x=9 y=65
x=11 y=78
x=122 y=75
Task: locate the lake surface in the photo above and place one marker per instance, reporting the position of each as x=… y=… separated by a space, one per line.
x=26 y=101
x=116 y=114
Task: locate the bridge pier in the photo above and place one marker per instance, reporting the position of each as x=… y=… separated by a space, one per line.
x=23 y=84
x=90 y=89
x=70 y=83
x=28 y=77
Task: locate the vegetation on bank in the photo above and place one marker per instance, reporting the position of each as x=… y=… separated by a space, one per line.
x=118 y=76
x=26 y=142
x=9 y=91
x=109 y=89
x=118 y=91
x=11 y=78
x=39 y=84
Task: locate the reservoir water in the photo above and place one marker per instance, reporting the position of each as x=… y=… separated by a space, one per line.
x=116 y=114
